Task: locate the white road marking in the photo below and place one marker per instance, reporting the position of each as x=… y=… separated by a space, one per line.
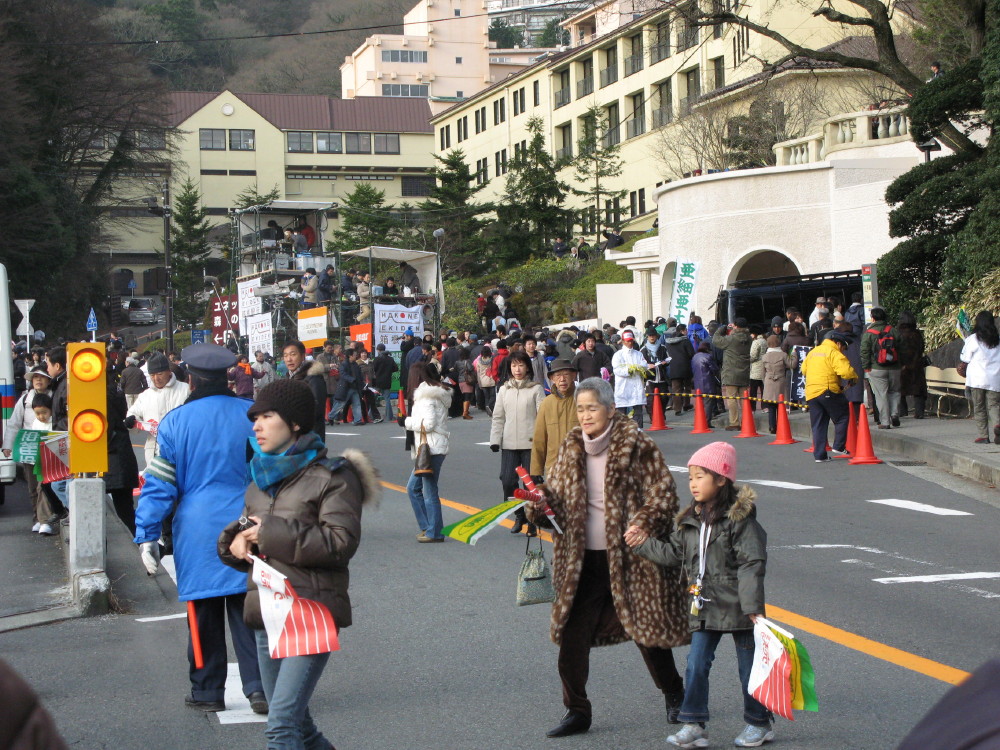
x=936 y=578
x=763 y=482
x=486 y=443
x=398 y=437
x=345 y=434
x=168 y=565
x=178 y=616
x=922 y=507
x=238 y=709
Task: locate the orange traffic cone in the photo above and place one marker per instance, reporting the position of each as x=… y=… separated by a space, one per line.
x=784 y=436
x=864 y=454
x=350 y=416
x=658 y=423
x=401 y=404
x=700 y=420
x=852 y=429
x=749 y=428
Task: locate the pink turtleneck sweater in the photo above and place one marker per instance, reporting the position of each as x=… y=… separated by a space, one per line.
x=597 y=459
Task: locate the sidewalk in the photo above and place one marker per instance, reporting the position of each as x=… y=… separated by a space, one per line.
x=36 y=587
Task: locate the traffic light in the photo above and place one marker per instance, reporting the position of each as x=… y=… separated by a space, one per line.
x=87 y=397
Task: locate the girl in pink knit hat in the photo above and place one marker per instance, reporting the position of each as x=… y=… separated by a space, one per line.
x=723 y=551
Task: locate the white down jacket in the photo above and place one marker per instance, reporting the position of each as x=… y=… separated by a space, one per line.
x=430 y=408
x=514 y=414
x=154 y=403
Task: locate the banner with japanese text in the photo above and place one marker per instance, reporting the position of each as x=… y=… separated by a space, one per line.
x=249 y=303
x=260 y=333
x=312 y=326
x=685 y=279
x=225 y=318
x=392 y=321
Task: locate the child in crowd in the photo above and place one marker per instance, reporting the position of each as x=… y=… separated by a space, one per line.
x=723 y=550
x=41 y=405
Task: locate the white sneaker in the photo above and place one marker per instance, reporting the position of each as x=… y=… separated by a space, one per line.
x=691 y=735
x=752 y=736
x=45 y=530
x=36 y=527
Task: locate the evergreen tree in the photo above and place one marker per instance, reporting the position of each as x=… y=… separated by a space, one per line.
x=365 y=220
x=251 y=197
x=531 y=213
x=553 y=35
x=505 y=35
x=597 y=162
x=451 y=207
x=189 y=251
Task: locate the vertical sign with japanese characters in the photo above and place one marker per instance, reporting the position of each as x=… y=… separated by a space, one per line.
x=259 y=332
x=250 y=303
x=685 y=278
x=224 y=315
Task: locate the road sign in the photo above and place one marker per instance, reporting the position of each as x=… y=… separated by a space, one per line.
x=132 y=284
x=24 y=305
x=92 y=320
x=200 y=335
x=24 y=329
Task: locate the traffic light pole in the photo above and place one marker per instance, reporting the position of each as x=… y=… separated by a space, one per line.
x=166 y=262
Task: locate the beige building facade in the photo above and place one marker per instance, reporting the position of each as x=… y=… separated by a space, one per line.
x=311 y=148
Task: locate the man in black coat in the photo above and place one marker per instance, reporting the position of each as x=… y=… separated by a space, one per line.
x=655 y=353
x=311 y=373
x=348 y=390
x=681 y=352
x=588 y=363
x=382 y=368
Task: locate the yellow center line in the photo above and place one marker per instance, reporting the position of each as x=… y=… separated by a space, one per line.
x=855 y=642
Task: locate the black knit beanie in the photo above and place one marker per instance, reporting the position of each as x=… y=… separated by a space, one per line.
x=293 y=400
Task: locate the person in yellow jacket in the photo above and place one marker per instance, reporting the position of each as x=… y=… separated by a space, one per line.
x=556 y=417
x=826 y=370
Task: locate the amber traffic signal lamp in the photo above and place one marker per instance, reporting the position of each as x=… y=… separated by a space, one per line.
x=86 y=379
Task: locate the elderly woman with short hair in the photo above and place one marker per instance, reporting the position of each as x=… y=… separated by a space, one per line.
x=609 y=475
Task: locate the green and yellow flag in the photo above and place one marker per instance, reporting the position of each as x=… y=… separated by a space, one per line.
x=470 y=529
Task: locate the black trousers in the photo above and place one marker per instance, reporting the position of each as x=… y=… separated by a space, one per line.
x=209 y=682
x=593 y=611
x=822 y=410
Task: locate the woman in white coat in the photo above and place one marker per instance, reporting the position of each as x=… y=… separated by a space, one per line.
x=431 y=401
x=514 y=427
x=630 y=384
x=981 y=353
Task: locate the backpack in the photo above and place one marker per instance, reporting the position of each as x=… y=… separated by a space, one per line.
x=885 y=346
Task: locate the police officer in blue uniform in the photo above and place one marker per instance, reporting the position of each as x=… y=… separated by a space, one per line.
x=200 y=466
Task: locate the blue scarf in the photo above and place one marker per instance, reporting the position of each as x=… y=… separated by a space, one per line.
x=268 y=470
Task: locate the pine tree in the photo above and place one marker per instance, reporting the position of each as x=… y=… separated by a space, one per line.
x=597 y=162
x=553 y=35
x=365 y=220
x=451 y=207
x=189 y=251
x=505 y=35
x=531 y=213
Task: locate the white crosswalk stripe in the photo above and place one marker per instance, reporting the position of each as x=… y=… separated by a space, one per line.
x=922 y=507
x=762 y=482
x=238 y=709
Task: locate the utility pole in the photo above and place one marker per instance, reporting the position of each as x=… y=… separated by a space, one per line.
x=169 y=291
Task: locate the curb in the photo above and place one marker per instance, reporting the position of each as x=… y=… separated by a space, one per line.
x=907 y=446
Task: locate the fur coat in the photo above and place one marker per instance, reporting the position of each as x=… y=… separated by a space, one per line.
x=638 y=489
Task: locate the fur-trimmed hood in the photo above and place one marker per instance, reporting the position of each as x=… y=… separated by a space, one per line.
x=368 y=474
x=315 y=368
x=743 y=507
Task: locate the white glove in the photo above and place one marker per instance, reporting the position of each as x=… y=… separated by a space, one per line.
x=149 y=552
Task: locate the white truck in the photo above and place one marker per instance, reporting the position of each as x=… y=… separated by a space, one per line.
x=8 y=469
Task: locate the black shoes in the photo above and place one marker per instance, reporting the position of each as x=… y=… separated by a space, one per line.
x=258 y=703
x=895 y=421
x=673 y=701
x=206 y=706
x=532 y=530
x=518 y=525
x=572 y=723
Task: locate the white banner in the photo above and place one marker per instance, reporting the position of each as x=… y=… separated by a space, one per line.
x=685 y=278
x=258 y=330
x=249 y=303
x=392 y=321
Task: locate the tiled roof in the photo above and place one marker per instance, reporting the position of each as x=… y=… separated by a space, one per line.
x=311 y=112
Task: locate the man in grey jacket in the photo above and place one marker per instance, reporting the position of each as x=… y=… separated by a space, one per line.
x=734 y=343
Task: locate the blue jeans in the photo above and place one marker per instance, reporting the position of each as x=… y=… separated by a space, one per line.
x=699 y=664
x=338 y=405
x=288 y=685
x=423 y=492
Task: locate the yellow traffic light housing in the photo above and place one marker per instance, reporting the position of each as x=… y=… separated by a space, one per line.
x=87 y=396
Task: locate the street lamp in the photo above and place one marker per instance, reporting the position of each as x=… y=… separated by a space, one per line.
x=927 y=147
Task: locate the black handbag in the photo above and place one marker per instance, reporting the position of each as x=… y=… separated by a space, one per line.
x=422 y=463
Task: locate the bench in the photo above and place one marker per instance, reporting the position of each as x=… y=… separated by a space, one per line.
x=948 y=387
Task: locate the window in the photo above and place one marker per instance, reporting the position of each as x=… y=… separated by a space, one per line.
x=358 y=143
x=300 y=142
x=717 y=31
x=329 y=143
x=537 y=94
x=719 y=68
x=500 y=159
x=518 y=101
x=213 y=172
x=149 y=139
x=387 y=143
x=445 y=136
x=405 y=89
x=212 y=140
x=242 y=172
x=458 y=61
x=417 y=187
x=499 y=111
x=741 y=44
x=642 y=200
x=482 y=170
x=458 y=11
x=241 y=140
x=403 y=55
x=480 y=115
x=463 y=128
x=633 y=203
x=460 y=94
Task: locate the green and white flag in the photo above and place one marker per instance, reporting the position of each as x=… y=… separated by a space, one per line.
x=27 y=443
x=470 y=529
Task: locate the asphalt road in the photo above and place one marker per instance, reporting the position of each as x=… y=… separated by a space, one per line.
x=439 y=655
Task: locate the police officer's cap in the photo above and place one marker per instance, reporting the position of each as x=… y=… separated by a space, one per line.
x=207 y=360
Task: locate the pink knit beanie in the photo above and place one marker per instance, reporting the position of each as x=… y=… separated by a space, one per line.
x=718 y=457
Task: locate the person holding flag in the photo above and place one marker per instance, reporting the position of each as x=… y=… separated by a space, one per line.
x=303 y=515
x=723 y=551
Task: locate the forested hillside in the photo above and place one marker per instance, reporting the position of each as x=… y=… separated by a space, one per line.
x=306 y=64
